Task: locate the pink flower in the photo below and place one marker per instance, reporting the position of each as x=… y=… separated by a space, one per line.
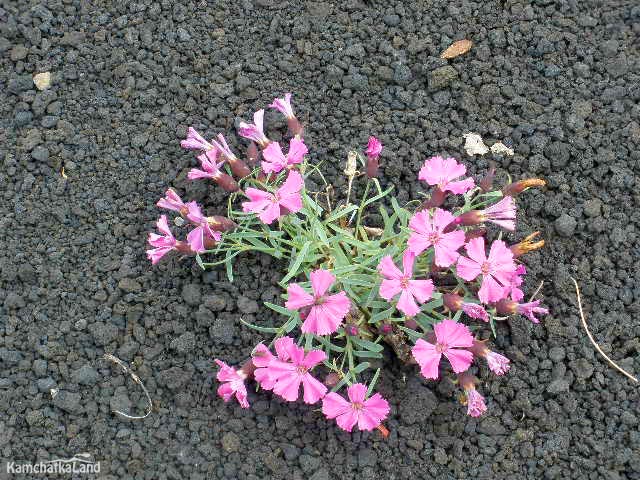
x=451 y=340
x=327 y=311
x=255 y=131
x=475 y=403
x=428 y=230
x=498 y=364
x=397 y=282
x=195 y=141
x=283 y=105
x=367 y=413
x=262 y=358
x=374 y=148
x=238 y=167
x=441 y=172
x=212 y=169
x=172 y=201
x=271 y=206
x=233 y=384
x=203 y=236
x=476 y=311
x=496 y=270
x=163 y=243
x=285 y=376
x=513 y=288
x=530 y=310
x=502 y=213
x=275 y=161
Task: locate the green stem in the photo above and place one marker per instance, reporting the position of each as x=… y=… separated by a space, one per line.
x=361 y=208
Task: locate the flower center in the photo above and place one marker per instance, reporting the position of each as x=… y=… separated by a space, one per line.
x=486 y=268
x=357 y=405
x=319 y=300
x=301 y=369
x=441 y=347
x=404 y=282
x=433 y=237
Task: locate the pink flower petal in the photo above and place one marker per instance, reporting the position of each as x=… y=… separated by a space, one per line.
x=288 y=387
x=313 y=358
x=421 y=289
x=334 y=405
x=357 y=392
x=321 y=281
x=453 y=334
x=460 y=359
x=347 y=420
x=407 y=305
x=313 y=389
x=427 y=357
x=388 y=269
x=297 y=297
x=490 y=290
x=271 y=213
x=283 y=346
x=390 y=288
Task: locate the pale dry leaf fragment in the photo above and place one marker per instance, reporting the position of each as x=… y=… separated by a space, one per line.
x=42 y=81
x=500 y=149
x=457 y=48
x=474 y=145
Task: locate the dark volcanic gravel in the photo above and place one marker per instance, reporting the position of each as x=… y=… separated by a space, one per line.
x=557 y=80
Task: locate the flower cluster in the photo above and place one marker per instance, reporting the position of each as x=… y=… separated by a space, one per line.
x=424 y=281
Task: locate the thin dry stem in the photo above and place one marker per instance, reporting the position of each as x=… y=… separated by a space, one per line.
x=537 y=291
x=597 y=347
x=135 y=378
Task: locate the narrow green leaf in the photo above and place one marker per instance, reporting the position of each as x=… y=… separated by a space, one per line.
x=361 y=367
x=278 y=308
x=293 y=269
x=383 y=315
x=366 y=344
x=199 y=261
x=366 y=354
x=258 y=328
x=291 y=324
x=373 y=381
x=340 y=213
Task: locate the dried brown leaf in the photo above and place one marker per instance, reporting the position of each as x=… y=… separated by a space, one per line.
x=457 y=48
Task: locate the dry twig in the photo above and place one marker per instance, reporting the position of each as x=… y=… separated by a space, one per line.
x=597 y=347
x=135 y=378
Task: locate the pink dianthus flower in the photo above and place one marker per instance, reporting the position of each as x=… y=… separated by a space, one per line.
x=285 y=376
x=232 y=384
x=327 y=311
x=262 y=358
x=172 y=201
x=163 y=243
x=428 y=229
x=275 y=161
x=195 y=141
x=496 y=270
x=397 y=282
x=269 y=206
x=202 y=236
x=255 y=131
x=441 y=173
x=367 y=413
x=452 y=339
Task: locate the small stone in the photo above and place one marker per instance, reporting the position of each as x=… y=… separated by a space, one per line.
x=367 y=457
x=442 y=77
x=40 y=154
x=103 y=333
x=385 y=73
x=68 y=401
x=581 y=368
x=86 y=375
x=174 y=378
x=556 y=354
x=191 y=294
x=215 y=303
x=129 y=285
x=19 y=52
x=39 y=367
x=45 y=384
x=322 y=474
x=592 y=207
x=42 y=81
x=392 y=20
x=13 y=301
x=20 y=83
x=246 y=305
x=308 y=463
x=558 y=386
x=402 y=74
x=491 y=426
x=184 y=343
x=223 y=331
x=440 y=456
x=230 y=442
x=35 y=418
x=565 y=225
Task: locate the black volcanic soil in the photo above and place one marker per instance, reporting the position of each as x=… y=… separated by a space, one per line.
x=557 y=80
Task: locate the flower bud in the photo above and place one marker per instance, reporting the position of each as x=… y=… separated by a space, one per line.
x=527 y=245
x=184 y=247
x=351 y=329
x=385 y=329
x=436 y=199
x=373 y=165
x=520 y=186
x=475 y=233
x=486 y=184
x=226 y=182
x=238 y=167
x=506 y=307
x=452 y=301
x=411 y=323
x=220 y=224
x=253 y=154
x=295 y=127
x=332 y=379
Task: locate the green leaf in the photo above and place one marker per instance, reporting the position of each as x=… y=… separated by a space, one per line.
x=258 y=328
x=383 y=315
x=373 y=381
x=293 y=269
x=366 y=354
x=278 y=308
x=366 y=344
x=340 y=213
x=229 y=265
x=327 y=343
x=291 y=324
x=199 y=261
x=361 y=367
